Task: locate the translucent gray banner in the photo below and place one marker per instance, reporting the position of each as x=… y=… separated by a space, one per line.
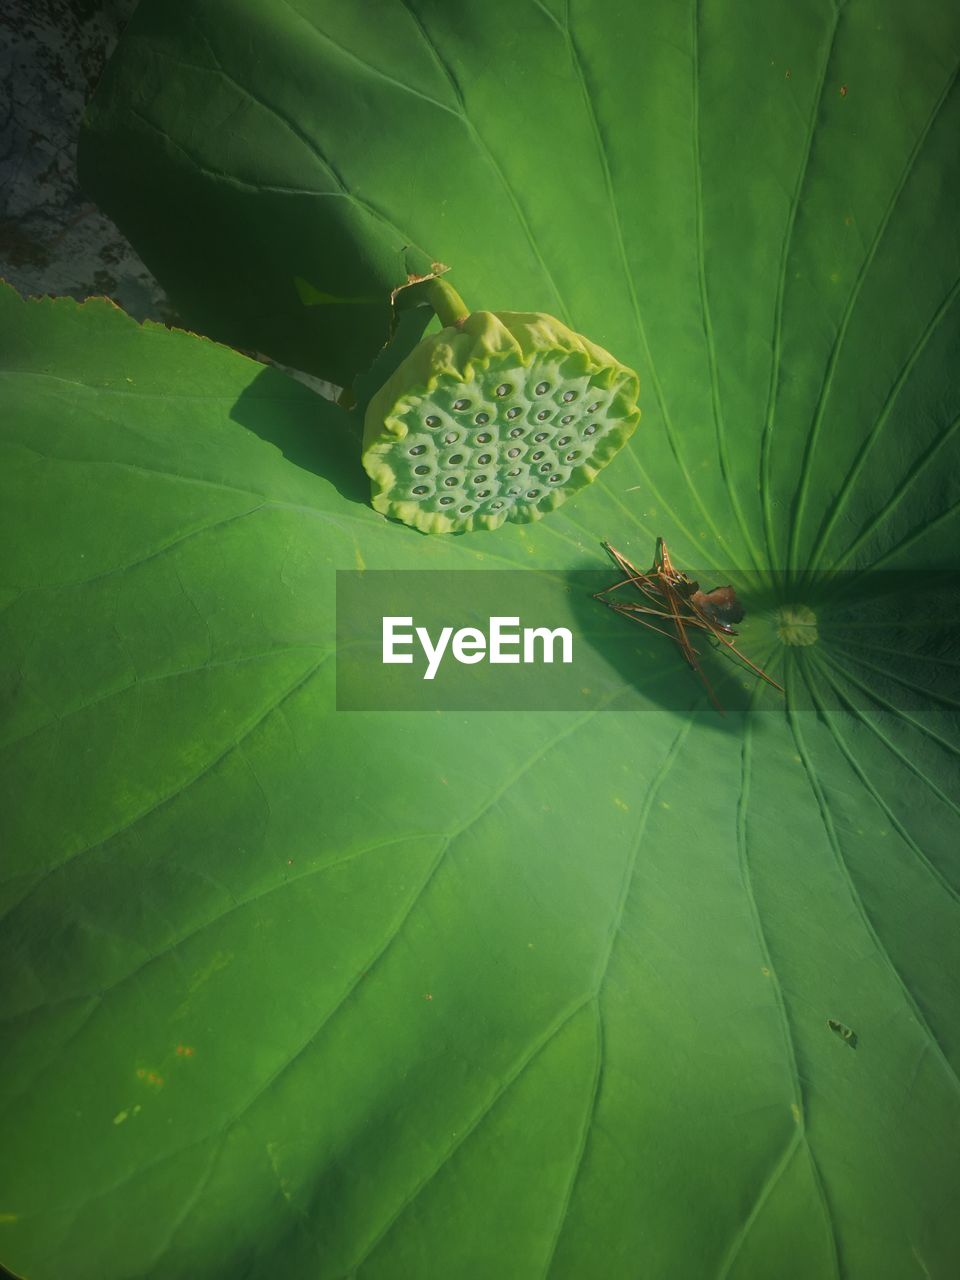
x=502 y=640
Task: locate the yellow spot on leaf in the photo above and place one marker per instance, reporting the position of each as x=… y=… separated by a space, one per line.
x=620 y=804
x=765 y=971
x=795 y=1112
x=120 y=1117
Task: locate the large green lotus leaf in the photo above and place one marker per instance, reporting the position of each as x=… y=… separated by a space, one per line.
x=752 y=204
x=497 y=994
x=292 y=991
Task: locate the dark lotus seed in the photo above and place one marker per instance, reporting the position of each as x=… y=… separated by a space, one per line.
x=541 y=435
x=543 y=415
x=545 y=467
x=451 y=481
x=562 y=441
x=445 y=502
x=418 y=449
x=514 y=472
x=517 y=431
x=461 y=404
x=592 y=429
x=420 y=488
x=483 y=459
x=543 y=388
x=538 y=455
x=567 y=419
x=479 y=479
x=464 y=510
x=513 y=453
x=451 y=438
x=513 y=413
x=532 y=493
x=422 y=471
x=593 y=407
x=481 y=418
x=432 y=421
x=483 y=493
x=554 y=479
x=572 y=456
x=484 y=437
x=503 y=389
x=455 y=459
x=569 y=395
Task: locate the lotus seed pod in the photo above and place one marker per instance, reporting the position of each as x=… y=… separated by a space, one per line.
x=499 y=416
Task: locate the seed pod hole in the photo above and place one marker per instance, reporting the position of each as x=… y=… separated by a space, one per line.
x=543 y=415
x=533 y=493
x=562 y=441
x=514 y=472
x=451 y=481
x=483 y=493
x=420 y=488
x=418 y=449
x=495 y=506
x=516 y=433
x=422 y=471
x=446 y=502
x=464 y=510
x=555 y=479
x=569 y=395
x=461 y=404
x=451 y=438
x=513 y=453
x=484 y=437
x=544 y=468
x=567 y=419
x=541 y=435
x=592 y=430
x=484 y=459
x=455 y=459
x=432 y=421
x=593 y=407
x=481 y=418
x=538 y=455
x=479 y=479
x=503 y=389
x=542 y=388
x=572 y=456
x=514 y=412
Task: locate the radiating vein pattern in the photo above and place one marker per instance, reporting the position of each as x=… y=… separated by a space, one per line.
x=293 y=991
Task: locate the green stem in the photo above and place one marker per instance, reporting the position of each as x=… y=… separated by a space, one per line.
x=446 y=302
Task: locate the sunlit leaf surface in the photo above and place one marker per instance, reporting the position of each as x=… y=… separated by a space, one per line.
x=297 y=993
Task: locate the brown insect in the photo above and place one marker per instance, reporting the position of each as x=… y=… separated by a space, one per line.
x=679 y=604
